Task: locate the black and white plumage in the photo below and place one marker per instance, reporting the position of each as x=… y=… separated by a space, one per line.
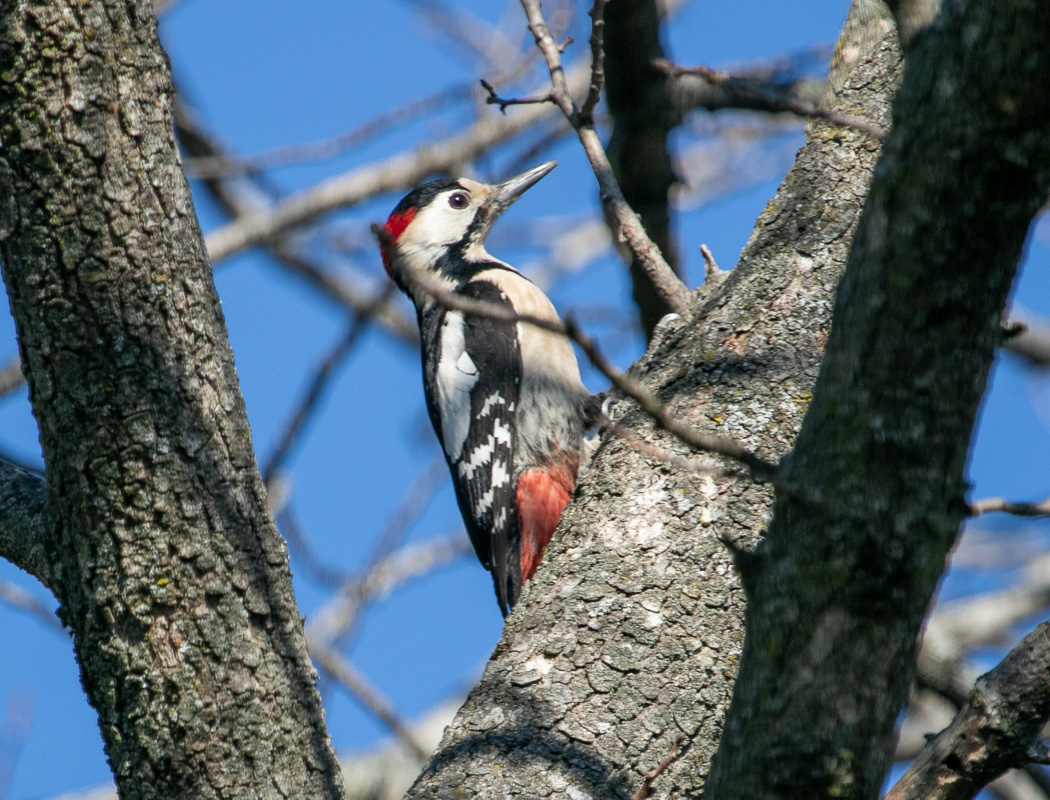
x=505 y=399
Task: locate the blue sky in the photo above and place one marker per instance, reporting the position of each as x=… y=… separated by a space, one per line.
x=265 y=74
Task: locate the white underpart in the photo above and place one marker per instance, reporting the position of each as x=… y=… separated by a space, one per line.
x=456 y=376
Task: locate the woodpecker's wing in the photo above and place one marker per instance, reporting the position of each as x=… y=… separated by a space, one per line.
x=475 y=372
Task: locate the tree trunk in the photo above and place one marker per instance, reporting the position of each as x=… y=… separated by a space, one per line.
x=876 y=489
x=159 y=545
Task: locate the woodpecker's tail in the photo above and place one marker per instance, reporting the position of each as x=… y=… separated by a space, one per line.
x=506 y=566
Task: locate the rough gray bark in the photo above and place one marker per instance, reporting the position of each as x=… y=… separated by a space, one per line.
x=630 y=634
x=158 y=542
x=855 y=552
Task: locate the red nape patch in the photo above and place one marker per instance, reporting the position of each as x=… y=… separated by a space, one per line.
x=542 y=495
x=394 y=227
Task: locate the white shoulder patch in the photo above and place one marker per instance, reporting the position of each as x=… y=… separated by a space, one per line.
x=456 y=376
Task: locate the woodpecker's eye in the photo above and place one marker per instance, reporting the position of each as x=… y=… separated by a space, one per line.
x=458 y=200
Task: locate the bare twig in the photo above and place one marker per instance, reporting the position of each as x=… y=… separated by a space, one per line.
x=352 y=297
x=702 y=465
x=240 y=197
x=594 y=92
x=299 y=543
x=1023 y=509
x=650 y=777
x=388 y=567
x=495 y=100
x=1031 y=341
x=760 y=469
x=767 y=98
x=489 y=42
x=412 y=504
x=671 y=290
x=711 y=268
x=395 y=173
x=355 y=682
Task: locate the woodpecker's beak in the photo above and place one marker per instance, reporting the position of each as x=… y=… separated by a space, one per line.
x=502 y=196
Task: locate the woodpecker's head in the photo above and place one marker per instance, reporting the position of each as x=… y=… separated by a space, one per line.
x=438 y=230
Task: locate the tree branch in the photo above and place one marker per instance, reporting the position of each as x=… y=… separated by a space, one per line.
x=752 y=95
x=26 y=521
x=999 y=728
x=916 y=327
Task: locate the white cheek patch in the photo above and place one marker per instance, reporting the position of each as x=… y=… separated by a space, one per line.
x=456 y=377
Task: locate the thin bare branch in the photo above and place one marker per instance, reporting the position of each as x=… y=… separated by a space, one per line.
x=1021 y=509
x=220 y=166
x=360 y=687
x=487 y=41
x=352 y=297
x=706 y=466
x=312 y=565
x=1031 y=341
x=646 y=254
x=495 y=100
x=594 y=92
x=408 y=564
x=756 y=95
x=412 y=504
x=711 y=268
x=240 y=197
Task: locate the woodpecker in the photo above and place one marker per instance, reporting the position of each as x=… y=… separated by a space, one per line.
x=505 y=398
